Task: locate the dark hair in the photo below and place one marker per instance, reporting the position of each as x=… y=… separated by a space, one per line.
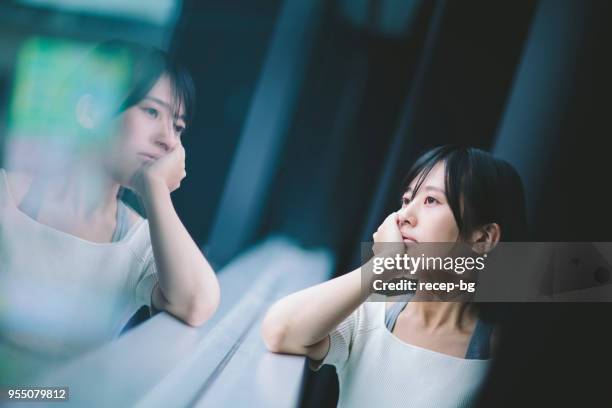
x=480 y=189
x=144 y=65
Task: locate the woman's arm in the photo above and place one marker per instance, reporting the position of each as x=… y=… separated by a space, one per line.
x=301 y=322
x=188 y=287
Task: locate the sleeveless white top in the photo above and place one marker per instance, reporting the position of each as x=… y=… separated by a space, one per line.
x=377 y=369
x=61 y=295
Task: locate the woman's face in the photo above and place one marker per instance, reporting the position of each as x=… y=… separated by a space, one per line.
x=145 y=132
x=427 y=217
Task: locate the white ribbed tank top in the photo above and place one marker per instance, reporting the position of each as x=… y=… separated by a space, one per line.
x=61 y=295
x=376 y=369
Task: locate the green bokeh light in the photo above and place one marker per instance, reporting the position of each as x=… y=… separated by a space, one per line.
x=51 y=75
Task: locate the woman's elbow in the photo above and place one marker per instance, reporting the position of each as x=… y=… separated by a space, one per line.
x=202 y=309
x=274 y=335
x=198 y=315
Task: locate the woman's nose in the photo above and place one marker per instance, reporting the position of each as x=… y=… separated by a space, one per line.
x=164 y=144
x=165 y=138
x=407 y=215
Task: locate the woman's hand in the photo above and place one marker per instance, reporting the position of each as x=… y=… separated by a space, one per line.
x=168 y=170
x=387 y=234
x=388 y=243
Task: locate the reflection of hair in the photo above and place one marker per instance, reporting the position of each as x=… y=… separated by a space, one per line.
x=488 y=189
x=146 y=66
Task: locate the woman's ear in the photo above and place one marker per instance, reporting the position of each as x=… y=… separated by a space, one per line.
x=485 y=238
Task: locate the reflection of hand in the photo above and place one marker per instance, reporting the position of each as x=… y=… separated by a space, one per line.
x=388 y=238
x=168 y=171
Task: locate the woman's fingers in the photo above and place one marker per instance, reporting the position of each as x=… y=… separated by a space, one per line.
x=392 y=218
x=388 y=231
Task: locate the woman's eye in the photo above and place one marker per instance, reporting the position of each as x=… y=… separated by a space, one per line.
x=152 y=112
x=405 y=201
x=179 y=129
x=430 y=200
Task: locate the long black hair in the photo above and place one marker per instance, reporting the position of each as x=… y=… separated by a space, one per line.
x=480 y=189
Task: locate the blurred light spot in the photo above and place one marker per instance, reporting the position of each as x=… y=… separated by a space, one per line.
x=50 y=77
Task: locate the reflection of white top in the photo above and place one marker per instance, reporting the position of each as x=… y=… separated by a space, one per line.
x=376 y=369
x=61 y=295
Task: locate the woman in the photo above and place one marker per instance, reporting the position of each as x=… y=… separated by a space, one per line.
x=75 y=262
x=421 y=352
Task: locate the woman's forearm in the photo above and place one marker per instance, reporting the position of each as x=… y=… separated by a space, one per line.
x=188 y=285
x=304 y=318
